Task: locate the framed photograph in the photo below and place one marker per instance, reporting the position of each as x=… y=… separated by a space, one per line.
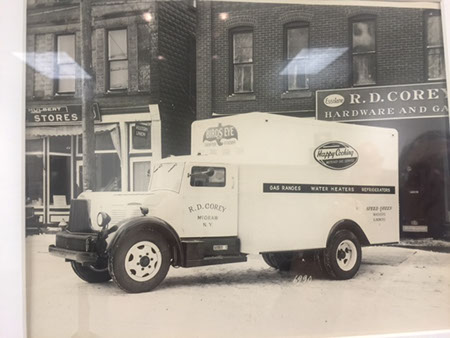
x=306 y=141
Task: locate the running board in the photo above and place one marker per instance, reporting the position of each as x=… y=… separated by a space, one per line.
x=216 y=260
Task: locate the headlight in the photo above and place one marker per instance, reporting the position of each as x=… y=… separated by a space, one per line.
x=103 y=219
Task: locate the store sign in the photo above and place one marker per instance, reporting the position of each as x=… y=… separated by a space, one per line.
x=141 y=130
x=424 y=100
x=58 y=114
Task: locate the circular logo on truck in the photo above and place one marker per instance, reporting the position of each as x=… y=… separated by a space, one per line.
x=336 y=155
x=333 y=100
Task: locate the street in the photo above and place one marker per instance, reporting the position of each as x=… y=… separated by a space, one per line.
x=396 y=290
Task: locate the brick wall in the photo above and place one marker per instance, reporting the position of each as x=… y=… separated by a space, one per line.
x=176 y=34
x=399 y=39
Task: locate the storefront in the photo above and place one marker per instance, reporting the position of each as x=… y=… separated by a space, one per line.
x=419 y=112
x=125 y=145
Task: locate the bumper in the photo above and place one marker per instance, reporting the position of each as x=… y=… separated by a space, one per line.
x=72 y=255
x=78 y=247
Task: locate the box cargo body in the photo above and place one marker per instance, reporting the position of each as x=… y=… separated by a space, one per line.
x=278 y=152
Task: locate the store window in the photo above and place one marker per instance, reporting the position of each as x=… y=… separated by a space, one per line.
x=140 y=173
x=118 y=59
x=363 y=50
x=434 y=46
x=65 y=64
x=242 y=60
x=59 y=171
x=296 y=52
x=34 y=172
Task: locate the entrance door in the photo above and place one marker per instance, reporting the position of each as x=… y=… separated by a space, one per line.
x=211 y=201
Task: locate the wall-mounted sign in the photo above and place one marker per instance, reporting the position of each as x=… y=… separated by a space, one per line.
x=221 y=135
x=336 y=155
x=58 y=114
x=141 y=130
x=424 y=100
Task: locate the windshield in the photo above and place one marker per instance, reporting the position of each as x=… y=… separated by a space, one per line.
x=167 y=176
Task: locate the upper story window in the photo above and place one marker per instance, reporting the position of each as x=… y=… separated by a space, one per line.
x=297 y=44
x=364 y=57
x=242 y=60
x=118 y=59
x=434 y=46
x=65 y=64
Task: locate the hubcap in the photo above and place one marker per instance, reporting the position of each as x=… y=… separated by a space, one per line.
x=143 y=261
x=346 y=255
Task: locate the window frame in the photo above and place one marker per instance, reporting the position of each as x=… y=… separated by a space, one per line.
x=109 y=62
x=427 y=48
x=363 y=18
x=287 y=60
x=57 y=92
x=232 y=32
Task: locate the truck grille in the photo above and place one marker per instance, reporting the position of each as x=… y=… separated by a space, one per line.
x=79 y=220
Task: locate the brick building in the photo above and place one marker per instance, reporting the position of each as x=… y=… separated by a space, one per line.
x=143 y=55
x=276 y=57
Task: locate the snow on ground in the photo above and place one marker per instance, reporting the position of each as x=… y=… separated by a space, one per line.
x=396 y=290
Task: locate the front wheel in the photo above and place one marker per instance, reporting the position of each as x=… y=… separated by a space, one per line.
x=140 y=261
x=342 y=257
x=97 y=273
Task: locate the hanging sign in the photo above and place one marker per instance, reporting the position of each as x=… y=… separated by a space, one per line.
x=141 y=130
x=424 y=100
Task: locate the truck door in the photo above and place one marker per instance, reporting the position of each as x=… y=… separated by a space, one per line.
x=210 y=201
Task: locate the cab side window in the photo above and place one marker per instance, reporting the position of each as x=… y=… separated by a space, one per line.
x=208 y=177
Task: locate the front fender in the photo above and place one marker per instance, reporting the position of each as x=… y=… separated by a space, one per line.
x=149 y=223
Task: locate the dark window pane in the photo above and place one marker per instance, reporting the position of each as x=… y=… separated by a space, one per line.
x=297 y=74
x=118 y=75
x=34 y=180
x=60 y=144
x=297 y=41
x=117 y=45
x=34 y=146
x=108 y=172
x=208 y=177
x=434 y=31
x=59 y=180
x=141 y=175
x=243 y=78
x=141 y=136
x=363 y=69
x=103 y=141
x=243 y=47
x=436 y=66
x=363 y=36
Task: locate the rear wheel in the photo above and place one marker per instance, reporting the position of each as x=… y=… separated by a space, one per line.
x=140 y=261
x=97 y=273
x=342 y=257
x=279 y=260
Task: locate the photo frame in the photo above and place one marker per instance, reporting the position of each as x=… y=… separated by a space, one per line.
x=117 y=297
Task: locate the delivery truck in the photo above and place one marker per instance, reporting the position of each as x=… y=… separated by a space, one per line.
x=255 y=183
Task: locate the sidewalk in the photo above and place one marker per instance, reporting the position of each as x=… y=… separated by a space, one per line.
x=427 y=244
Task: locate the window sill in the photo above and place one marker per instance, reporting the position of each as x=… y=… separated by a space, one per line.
x=298 y=94
x=117 y=92
x=241 y=97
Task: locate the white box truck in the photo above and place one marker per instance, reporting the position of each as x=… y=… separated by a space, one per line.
x=255 y=183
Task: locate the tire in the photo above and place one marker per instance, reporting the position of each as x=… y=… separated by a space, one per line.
x=279 y=260
x=267 y=257
x=93 y=273
x=139 y=261
x=342 y=257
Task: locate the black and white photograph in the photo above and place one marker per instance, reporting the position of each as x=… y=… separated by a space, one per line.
x=222 y=168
